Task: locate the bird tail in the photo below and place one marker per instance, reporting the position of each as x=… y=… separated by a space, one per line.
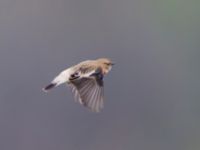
x=63 y=77
x=48 y=87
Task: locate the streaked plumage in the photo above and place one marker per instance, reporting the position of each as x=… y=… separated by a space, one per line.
x=86 y=82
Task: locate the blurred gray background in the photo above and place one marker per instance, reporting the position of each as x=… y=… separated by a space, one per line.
x=151 y=95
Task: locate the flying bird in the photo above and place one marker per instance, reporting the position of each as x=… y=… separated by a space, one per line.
x=86 y=82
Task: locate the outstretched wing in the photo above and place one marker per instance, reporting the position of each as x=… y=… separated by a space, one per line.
x=89 y=90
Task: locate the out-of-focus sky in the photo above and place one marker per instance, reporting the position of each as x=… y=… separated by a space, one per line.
x=152 y=98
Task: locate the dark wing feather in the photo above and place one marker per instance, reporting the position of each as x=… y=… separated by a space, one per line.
x=89 y=91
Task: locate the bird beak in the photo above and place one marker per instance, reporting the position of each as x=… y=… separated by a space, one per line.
x=112 y=64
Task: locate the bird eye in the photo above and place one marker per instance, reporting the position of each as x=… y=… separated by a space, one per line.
x=107 y=64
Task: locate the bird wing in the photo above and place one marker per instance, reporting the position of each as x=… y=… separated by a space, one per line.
x=89 y=90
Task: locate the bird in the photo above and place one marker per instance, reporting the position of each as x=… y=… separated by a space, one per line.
x=85 y=80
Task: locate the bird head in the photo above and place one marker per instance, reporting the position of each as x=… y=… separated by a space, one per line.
x=106 y=64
